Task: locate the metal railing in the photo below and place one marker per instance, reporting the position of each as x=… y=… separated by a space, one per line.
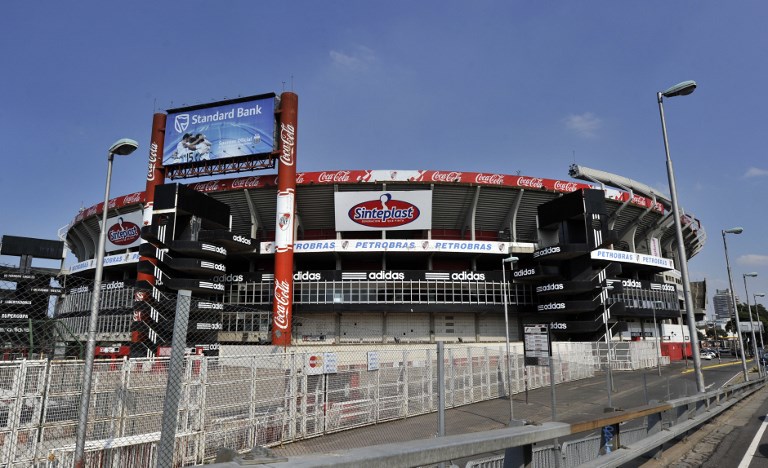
x=663 y=422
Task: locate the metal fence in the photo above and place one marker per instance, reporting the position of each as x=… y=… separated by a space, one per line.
x=239 y=402
x=246 y=396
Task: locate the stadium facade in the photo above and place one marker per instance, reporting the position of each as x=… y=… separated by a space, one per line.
x=594 y=255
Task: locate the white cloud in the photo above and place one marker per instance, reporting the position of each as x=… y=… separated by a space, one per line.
x=584 y=125
x=753 y=260
x=358 y=59
x=756 y=172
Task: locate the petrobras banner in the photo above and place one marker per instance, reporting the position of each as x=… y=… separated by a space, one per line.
x=383 y=211
x=393 y=245
x=123 y=231
x=120 y=259
x=632 y=257
x=222 y=130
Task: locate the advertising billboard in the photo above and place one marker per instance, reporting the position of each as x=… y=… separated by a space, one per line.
x=388 y=210
x=123 y=231
x=220 y=131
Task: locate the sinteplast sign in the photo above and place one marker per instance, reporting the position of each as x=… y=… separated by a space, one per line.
x=221 y=130
x=385 y=210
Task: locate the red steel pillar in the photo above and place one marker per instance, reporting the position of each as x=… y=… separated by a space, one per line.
x=155 y=177
x=282 y=304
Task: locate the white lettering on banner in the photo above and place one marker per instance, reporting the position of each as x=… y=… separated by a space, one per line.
x=132 y=198
x=152 y=161
x=211 y=186
x=386 y=275
x=496 y=179
x=363 y=213
x=446 y=176
x=306 y=276
x=16 y=302
x=530 y=182
x=547 y=251
x=241 y=239
x=468 y=276
x=288 y=138
x=338 y=176
x=565 y=186
x=282 y=301
x=245 y=182
x=630 y=283
x=550 y=287
x=552 y=306
x=14 y=316
x=128 y=234
x=228 y=279
x=525 y=272
x=558 y=326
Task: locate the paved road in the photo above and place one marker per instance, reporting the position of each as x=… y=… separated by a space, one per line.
x=575 y=401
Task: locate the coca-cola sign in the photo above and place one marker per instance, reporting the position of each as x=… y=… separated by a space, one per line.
x=288 y=140
x=152 y=161
x=282 y=304
x=530 y=182
x=132 y=198
x=210 y=186
x=562 y=186
x=338 y=176
x=438 y=176
x=492 y=179
x=245 y=182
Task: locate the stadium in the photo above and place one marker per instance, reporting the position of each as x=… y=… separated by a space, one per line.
x=361 y=256
x=592 y=258
x=296 y=304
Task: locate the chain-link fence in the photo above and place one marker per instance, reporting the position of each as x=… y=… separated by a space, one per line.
x=183 y=404
x=236 y=402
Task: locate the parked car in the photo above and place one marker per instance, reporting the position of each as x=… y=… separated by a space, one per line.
x=707 y=355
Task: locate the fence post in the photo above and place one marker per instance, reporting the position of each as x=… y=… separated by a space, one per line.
x=173 y=387
x=440 y=389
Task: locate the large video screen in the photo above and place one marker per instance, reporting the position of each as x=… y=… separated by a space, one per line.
x=222 y=130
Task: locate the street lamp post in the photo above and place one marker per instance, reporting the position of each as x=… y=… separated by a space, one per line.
x=752 y=323
x=681 y=89
x=609 y=365
x=656 y=336
x=736 y=230
x=760 y=323
x=506 y=332
x=122 y=147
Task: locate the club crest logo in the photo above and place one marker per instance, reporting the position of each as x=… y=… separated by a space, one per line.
x=284 y=220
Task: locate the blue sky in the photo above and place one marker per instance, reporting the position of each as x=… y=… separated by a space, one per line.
x=485 y=86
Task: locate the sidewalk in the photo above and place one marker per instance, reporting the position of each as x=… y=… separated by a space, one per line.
x=578 y=401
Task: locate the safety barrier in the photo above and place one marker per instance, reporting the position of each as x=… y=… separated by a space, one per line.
x=612 y=447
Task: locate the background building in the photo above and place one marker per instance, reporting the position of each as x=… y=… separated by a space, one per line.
x=723 y=304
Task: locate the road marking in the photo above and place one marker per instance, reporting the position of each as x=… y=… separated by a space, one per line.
x=753 y=446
